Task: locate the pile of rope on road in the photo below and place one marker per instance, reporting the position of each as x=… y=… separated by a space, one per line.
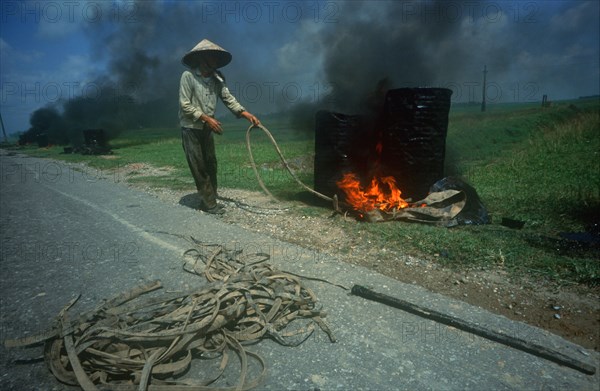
x=133 y=342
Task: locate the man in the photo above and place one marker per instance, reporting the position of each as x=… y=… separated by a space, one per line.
x=199 y=88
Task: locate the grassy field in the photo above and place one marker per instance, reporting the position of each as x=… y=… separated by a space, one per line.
x=537 y=165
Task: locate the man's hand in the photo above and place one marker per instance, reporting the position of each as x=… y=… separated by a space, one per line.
x=212 y=123
x=251 y=118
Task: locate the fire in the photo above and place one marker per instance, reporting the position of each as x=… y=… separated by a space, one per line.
x=382 y=193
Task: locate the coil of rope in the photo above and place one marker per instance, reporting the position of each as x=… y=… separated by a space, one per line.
x=135 y=343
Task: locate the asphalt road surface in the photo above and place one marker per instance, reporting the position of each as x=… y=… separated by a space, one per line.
x=66 y=230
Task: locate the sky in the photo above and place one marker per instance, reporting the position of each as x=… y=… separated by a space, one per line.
x=291 y=54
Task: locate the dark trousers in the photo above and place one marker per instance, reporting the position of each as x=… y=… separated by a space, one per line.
x=199 y=148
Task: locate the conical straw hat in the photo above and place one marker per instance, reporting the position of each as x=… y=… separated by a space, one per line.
x=205 y=46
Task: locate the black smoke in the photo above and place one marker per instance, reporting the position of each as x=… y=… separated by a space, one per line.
x=395 y=44
x=368 y=47
x=530 y=49
x=47 y=126
x=64 y=123
x=350 y=49
x=138 y=89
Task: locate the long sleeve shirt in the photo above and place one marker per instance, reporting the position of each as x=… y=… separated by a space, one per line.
x=198 y=95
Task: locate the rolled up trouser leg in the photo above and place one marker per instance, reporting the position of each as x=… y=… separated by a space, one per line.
x=199 y=149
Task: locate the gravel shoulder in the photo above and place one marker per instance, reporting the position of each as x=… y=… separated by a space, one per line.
x=571 y=312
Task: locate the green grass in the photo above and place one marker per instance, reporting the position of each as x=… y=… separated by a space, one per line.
x=538 y=165
x=235 y=169
x=544 y=171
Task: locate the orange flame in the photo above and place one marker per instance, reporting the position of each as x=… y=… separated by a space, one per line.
x=382 y=193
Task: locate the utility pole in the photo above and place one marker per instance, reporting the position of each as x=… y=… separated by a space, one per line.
x=3 y=130
x=483 y=92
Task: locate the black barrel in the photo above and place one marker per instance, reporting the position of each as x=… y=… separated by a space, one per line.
x=339 y=148
x=95 y=138
x=414 y=138
x=412 y=133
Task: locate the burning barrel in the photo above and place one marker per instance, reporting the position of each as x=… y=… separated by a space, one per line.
x=414 y=137
x=407 y=141
x=338 y=140
x=95 y=138
x=95 y=142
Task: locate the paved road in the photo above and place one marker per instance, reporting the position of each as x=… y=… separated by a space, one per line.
x=66 y=232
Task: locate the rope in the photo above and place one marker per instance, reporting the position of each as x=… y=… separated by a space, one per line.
x=431 y=210
x=285 y=163
x=252 y=208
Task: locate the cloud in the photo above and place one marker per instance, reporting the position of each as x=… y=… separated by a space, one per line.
x=580 y=17
x=11 y=56
x=301 y=54
x=57 y=30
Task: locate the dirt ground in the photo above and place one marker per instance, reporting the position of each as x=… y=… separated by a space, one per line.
x=572 y=312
